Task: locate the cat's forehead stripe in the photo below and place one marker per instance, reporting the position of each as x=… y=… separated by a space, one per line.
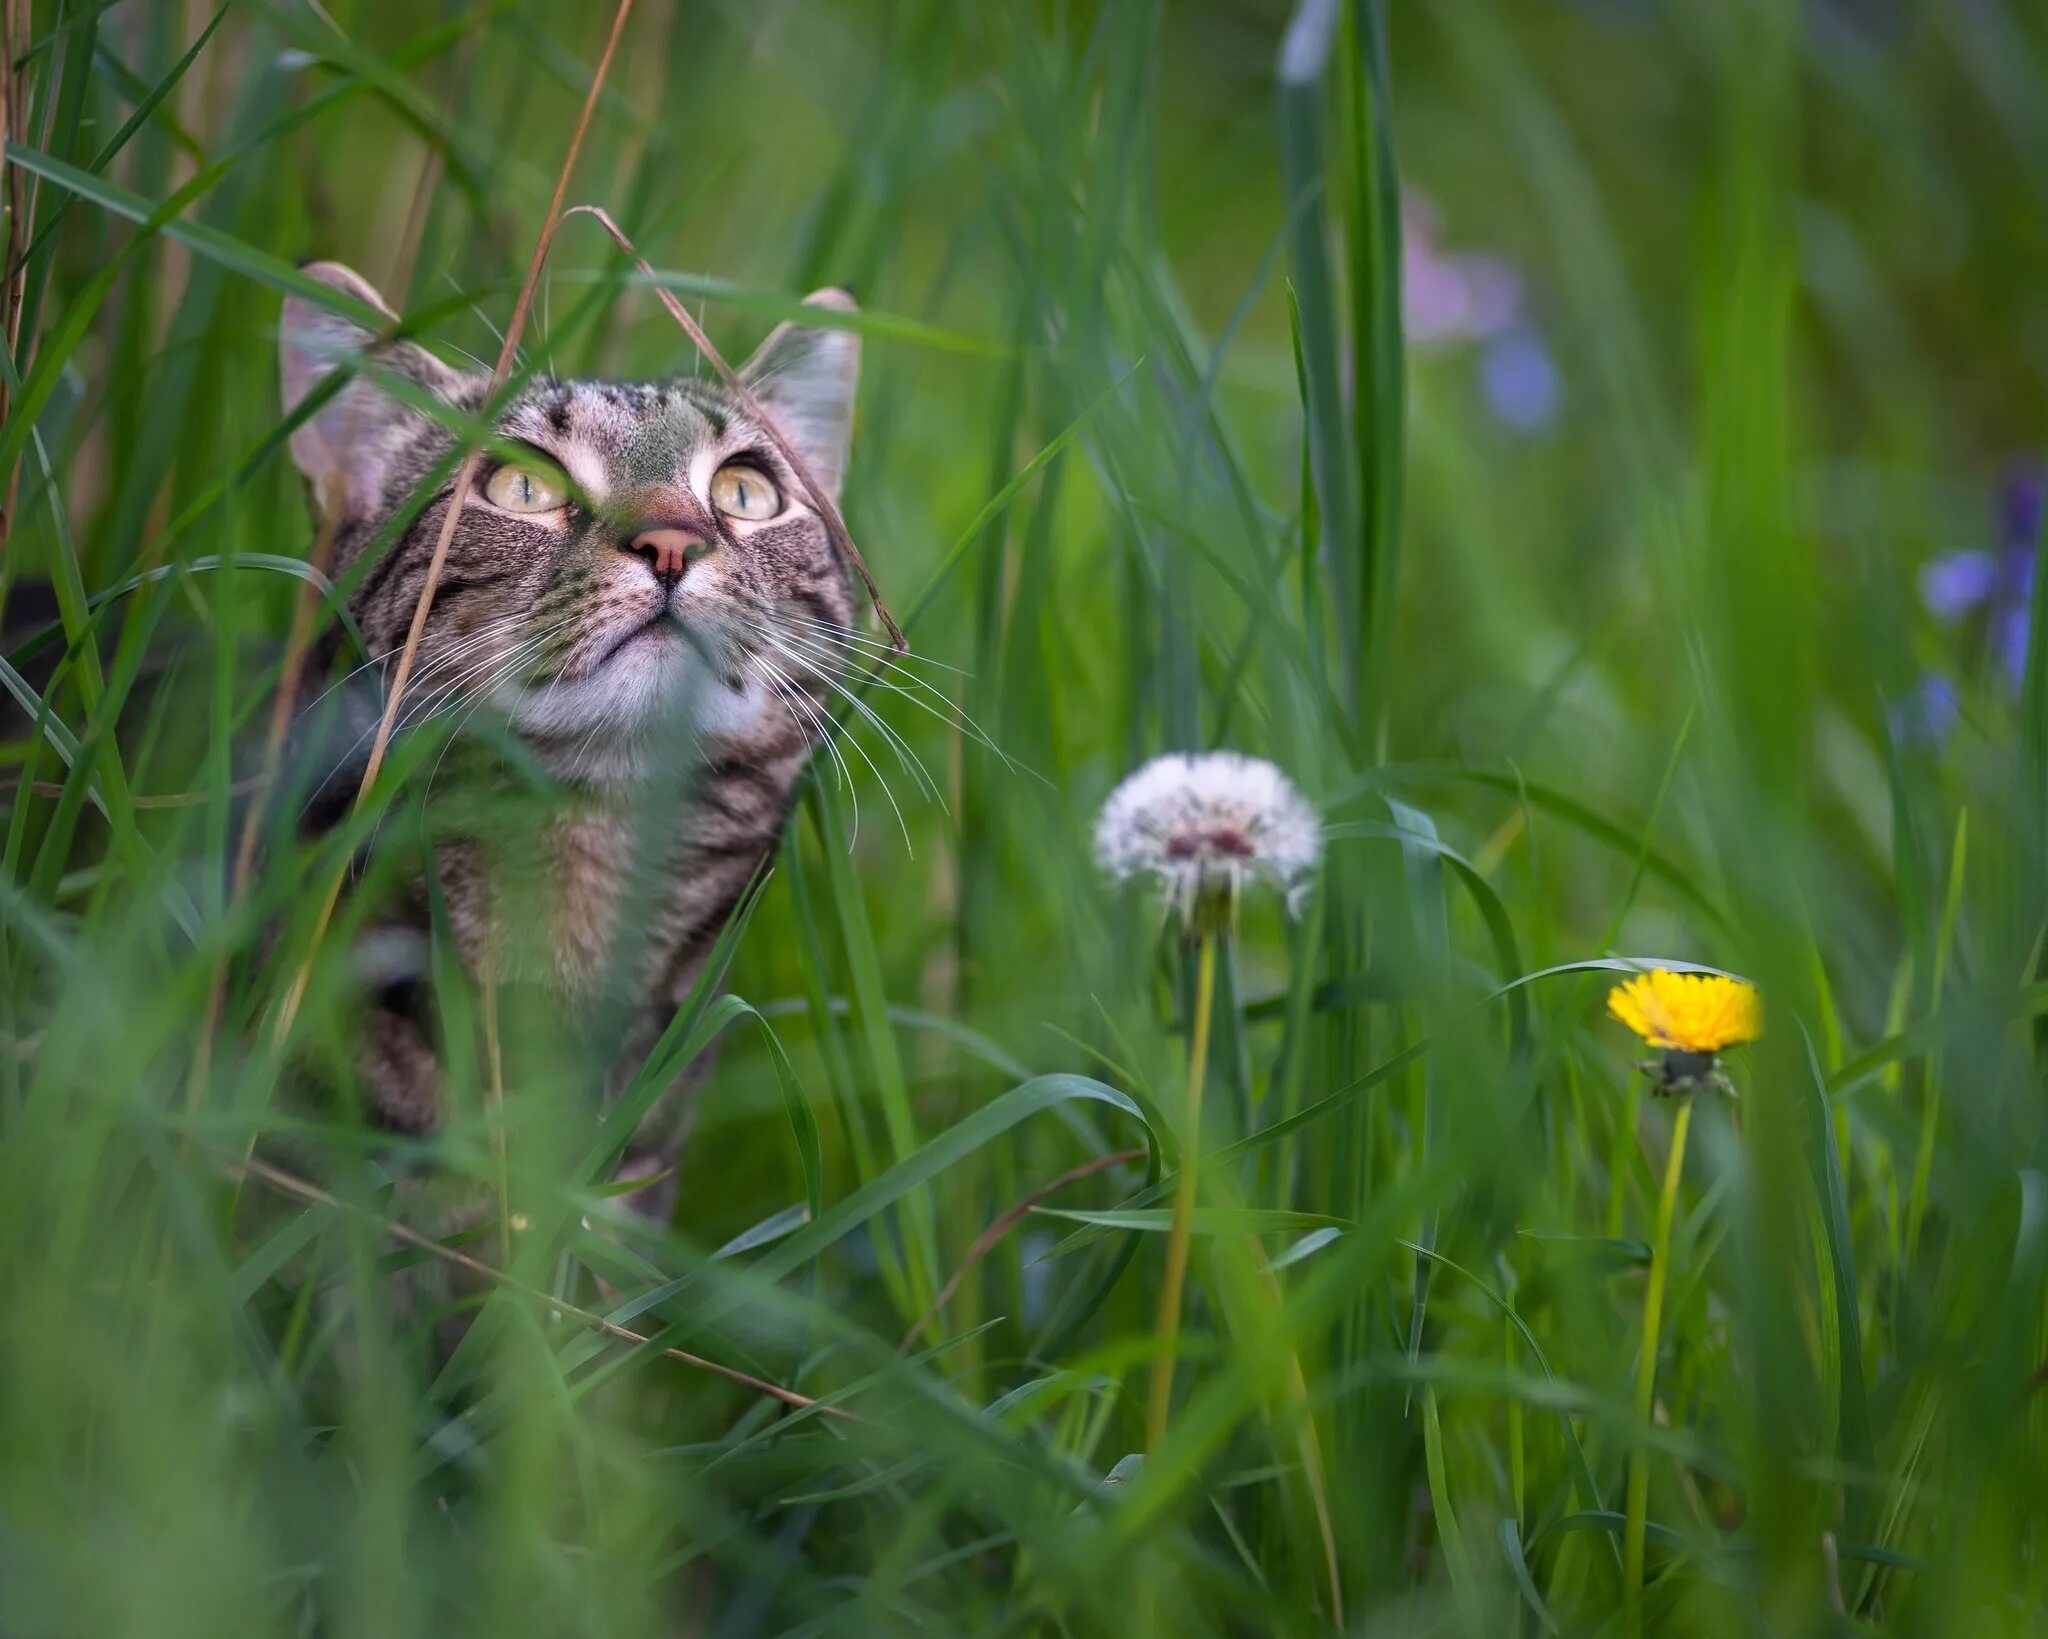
x=630 y=410
x=611 y=434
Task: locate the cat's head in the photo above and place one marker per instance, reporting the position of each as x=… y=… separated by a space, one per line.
x=647 y=548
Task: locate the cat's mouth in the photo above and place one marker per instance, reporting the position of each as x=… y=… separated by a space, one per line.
x=660 y=627
x=632 y=675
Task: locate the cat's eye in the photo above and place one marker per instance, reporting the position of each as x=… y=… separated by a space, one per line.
x=516 y=488
x=745 y=493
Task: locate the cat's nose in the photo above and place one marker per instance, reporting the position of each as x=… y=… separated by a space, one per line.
x=666 y=551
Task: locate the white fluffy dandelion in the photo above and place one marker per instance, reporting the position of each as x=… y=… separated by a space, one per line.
x=1205 y=826
x=1202 y=828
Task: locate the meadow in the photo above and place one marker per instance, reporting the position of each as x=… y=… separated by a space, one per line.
x=1595 y=447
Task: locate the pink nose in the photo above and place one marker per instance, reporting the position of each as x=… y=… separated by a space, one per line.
x=667 y=551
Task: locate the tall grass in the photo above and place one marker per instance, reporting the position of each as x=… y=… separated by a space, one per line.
x=1143 y=462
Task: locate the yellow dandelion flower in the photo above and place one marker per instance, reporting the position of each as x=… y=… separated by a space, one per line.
x=1691 y=1017
x=1692 y=1012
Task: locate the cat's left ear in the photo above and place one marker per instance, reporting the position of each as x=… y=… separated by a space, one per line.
x=805 y=375
x=350 y=447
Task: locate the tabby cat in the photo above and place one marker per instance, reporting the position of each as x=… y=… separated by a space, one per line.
x=642 y=594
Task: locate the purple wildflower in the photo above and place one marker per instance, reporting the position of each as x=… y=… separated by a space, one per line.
x=2010 y=639
x=1995 y=589
x=1520 y=381
x=1476 y=297
x=1957 y=582
x=1448 y=297
x=2023 y=499
x=1927 y=712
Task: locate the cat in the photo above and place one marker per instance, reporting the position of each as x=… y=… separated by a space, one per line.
x=641 y=594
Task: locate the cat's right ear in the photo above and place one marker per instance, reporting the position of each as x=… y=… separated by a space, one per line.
x=347 y=446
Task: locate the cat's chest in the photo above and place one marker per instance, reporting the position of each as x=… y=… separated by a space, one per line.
x=619 y=897
x=599 y=896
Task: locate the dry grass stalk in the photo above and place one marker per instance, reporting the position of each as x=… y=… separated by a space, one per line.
x=987 y=1240
x=835 y=526
x=465 y=476
x=299 y=1189
x=282 y=706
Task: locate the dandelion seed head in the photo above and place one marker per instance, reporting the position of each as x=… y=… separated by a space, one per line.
x=1204 y=827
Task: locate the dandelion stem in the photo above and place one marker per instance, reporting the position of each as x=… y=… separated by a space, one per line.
x=494 y=1097
x=1161 y=1397
x=1646 y=1376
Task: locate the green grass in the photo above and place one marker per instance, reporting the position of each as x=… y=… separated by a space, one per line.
x=1143 y=459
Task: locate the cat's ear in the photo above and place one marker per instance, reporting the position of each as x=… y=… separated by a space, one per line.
x=346 y=447
x=806 y=375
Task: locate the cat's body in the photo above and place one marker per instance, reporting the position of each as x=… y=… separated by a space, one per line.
x=645 y=599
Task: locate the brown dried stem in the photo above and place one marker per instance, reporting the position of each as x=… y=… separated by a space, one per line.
x=299 y=1189
x=282 y=705
x=835 y=526
x=12 y=87
x=464 y=477
x=986 y=1241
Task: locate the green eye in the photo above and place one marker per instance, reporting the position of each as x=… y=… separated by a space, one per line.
x=745 y=493
x=514 y=488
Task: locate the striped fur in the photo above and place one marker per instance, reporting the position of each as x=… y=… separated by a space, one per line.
x=676 y=718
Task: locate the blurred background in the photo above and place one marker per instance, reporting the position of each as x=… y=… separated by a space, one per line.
x=1594 y=446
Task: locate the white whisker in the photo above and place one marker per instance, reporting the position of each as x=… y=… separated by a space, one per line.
x=859 y=751
x=912 y=763
x=483 y=318
x=947 y=711
x=867 y=645
x=498 y=665
x=392 y=653
x=803 y=711
x=413 y=712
